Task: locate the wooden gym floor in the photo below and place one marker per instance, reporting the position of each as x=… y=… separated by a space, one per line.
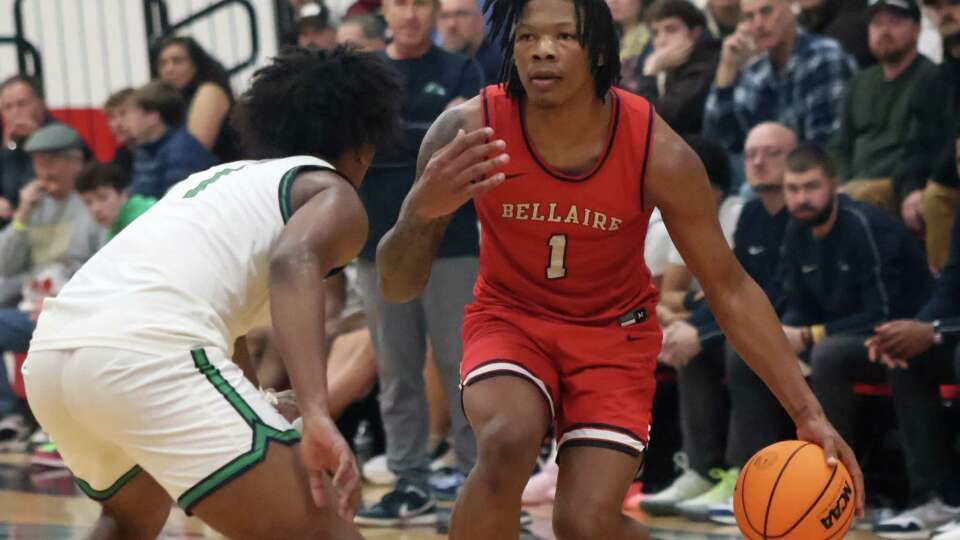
x=45 y=504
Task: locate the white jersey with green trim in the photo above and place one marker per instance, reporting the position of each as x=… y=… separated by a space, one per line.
x=192 y=271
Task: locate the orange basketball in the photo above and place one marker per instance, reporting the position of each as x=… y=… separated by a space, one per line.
x=787 y=492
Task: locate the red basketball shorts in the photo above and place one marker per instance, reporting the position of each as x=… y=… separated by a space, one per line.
x=598 y=381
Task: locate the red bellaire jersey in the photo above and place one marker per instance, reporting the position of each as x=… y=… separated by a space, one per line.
x=567 y=247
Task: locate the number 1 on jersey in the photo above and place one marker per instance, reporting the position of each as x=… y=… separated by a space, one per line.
x=558 y=255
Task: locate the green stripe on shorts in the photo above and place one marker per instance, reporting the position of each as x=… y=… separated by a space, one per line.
x=262 y=434
x=105 y=494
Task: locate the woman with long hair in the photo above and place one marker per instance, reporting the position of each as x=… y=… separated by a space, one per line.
x=634 y=37
x=183 y=63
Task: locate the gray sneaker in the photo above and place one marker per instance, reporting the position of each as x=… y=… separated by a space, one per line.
x=918 y=522
x=698 y=508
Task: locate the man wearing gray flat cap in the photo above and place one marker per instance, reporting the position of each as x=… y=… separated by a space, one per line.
x=50 y=236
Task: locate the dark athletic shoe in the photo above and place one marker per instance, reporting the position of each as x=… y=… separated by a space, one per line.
x=406 y=505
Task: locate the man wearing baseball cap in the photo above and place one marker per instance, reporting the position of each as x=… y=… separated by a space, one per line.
x=871 y=149
x=50 y=236
x=907 y=8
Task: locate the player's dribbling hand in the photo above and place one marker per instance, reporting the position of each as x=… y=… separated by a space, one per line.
x=326 y=454
x=818 y=430
x=456 y=173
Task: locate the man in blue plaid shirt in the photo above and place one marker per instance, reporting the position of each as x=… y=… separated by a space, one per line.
x=797 y=79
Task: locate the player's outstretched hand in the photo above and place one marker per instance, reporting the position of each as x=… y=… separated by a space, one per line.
x=819 y=431
x=458 y=171
x=325 y=453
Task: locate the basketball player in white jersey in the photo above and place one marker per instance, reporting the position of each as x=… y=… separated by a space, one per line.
x=130 y=367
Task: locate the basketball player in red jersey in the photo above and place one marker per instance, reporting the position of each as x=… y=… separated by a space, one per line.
x=564 y=171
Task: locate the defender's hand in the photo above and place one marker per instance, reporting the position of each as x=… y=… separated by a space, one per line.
x=456 y=173
x=325 y=453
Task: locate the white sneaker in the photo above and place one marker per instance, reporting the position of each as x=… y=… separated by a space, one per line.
x=917 y=522
x=445 y=460
x=949 y=531
x=687 y=486
x=376 y=472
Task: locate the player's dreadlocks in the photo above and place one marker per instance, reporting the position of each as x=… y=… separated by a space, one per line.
x=595 y=30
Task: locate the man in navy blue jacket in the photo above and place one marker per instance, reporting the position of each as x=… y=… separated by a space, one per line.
x=849 y=268
x=166 y=152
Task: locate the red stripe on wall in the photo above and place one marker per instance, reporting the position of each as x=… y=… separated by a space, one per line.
x=91 y=124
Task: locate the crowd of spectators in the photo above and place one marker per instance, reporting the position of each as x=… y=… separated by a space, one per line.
x=829 y=129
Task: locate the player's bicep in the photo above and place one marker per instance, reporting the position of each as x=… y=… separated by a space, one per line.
x=677 y=183
x=444 y=129
x=328 y=229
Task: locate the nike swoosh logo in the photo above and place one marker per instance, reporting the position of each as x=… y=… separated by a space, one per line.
x=405 y=512
x=807 y=268
x=756 y=250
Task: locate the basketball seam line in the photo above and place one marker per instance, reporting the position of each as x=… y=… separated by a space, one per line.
x=814 y=503
x=743 y=498
x=773 y=490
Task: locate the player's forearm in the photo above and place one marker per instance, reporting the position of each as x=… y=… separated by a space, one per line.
x=297 y=309
x=405 y=256
x=751 y=325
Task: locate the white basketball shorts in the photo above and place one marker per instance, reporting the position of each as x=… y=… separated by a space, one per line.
x=191 y=420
